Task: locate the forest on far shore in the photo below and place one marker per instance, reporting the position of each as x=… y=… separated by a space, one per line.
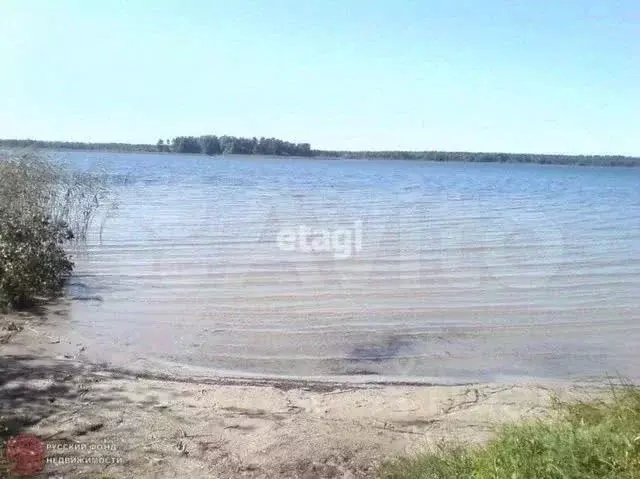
x=205 y=144
x=229 y=145
x=585 y=160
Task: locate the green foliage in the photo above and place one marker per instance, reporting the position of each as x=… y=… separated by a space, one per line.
x=210 y=145
x=233 y=145
x=42 y=208
x=33 y=262
x=206 y=144
x=185 y=144
x=76 y=145
x=162 y=147
x=599 y=440
x=585 y=160
x=448 y=462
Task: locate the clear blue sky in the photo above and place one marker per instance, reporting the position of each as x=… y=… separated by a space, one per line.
x=557 y=76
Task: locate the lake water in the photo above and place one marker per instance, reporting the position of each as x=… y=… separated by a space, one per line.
x=384 y=270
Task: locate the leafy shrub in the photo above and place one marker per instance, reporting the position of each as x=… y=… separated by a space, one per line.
x=43 y=206
x=33 y=262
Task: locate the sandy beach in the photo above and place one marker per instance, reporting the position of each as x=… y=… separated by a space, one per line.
x=150 y=424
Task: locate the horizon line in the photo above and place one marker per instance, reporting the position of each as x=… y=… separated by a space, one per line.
x=328 y=150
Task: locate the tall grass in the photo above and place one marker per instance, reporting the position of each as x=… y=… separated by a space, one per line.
x=597 y=440
x=31 y=182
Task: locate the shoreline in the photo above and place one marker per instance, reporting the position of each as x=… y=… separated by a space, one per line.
x=160 y=425
x=540 y=159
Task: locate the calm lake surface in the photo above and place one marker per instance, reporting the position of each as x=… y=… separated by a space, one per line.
x=384 y=270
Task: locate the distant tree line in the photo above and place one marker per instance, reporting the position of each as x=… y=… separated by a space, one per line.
x=207 y=144
x=219 y=145
x=585 y=160
x=76 y=145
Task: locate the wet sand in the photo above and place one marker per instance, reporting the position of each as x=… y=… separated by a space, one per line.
x=156 y=425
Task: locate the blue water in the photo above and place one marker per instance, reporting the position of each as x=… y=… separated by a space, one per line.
x=385 y=269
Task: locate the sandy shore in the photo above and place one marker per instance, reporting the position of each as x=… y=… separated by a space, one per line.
x=140 y=425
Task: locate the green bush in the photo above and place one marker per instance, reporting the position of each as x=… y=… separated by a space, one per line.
x=43 y=206
x=33 y=262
